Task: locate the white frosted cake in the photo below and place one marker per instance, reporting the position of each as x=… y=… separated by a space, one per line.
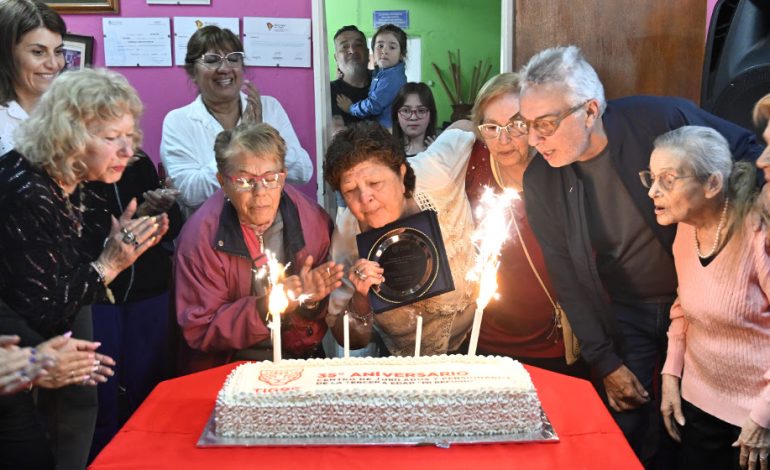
x=376 y=398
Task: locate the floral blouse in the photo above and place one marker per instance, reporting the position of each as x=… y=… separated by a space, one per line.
x=45 y=271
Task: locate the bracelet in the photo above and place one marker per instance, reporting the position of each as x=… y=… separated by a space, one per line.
x=310 y=305
x=362 y=318
x=103 y=278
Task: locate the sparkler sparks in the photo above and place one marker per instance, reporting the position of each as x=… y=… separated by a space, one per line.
x=494 y=220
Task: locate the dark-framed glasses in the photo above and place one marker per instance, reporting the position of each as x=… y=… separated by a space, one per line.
x=268 y=180
x=406 y=112
x=665 y=179
x=492 y=131
x=546 y=126
x=214 y=61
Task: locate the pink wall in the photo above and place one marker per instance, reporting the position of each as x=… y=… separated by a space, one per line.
x=165 y=88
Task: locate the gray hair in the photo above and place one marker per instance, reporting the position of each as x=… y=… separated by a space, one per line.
x=707 y=152
x=702 y=149
x=565 y=66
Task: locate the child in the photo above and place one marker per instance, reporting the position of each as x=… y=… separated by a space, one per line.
x=389 y=47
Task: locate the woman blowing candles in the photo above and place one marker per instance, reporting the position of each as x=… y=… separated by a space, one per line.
x=522 y=324
x=414 y=109
x=221 y=302
x=31 y=56
x=721 y=316
x=215 y=63
x=83 y=129
x=367 y=165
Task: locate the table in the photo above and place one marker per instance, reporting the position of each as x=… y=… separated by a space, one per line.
x=164 y=431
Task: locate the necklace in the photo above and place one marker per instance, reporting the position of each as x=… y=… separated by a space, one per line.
x=714 y=247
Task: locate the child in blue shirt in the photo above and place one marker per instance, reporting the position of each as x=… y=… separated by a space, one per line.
x=389 y=47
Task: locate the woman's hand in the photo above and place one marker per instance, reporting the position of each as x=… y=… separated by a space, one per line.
x=316 y=283
x=19 y=367
x=344 y=103
x=364 y=274
x=157 y=201
x=129 y=239
x=671 y=405
x=253 y=112
x=76 y=362
x=754 y=442
x=429 y=140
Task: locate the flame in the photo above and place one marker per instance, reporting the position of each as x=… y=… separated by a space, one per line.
x=278 y=301
x=494 y=216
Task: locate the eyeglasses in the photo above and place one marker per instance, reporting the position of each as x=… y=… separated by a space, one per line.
x=665 y=180
x=492 y=131
x=545 y=126
x=269 y=180
x=214 y=61
x=119 y=142
x=406 y=112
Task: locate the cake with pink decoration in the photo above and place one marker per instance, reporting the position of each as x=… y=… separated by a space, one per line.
x=432 y=398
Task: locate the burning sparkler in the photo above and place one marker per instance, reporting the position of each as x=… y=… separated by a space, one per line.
x=494 y=216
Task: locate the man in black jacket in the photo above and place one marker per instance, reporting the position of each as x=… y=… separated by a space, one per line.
x=610 y=262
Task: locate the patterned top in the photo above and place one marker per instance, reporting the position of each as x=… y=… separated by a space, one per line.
x=45 y=271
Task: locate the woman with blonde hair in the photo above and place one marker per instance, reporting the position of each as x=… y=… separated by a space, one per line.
x=525 y=322
x=54 y=265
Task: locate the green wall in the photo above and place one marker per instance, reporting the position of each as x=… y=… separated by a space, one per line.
x=473 y=26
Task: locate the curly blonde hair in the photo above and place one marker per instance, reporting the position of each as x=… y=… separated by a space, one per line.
x=56 y=135
x=761 y=113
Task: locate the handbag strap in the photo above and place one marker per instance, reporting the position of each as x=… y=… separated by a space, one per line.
x=531 y=263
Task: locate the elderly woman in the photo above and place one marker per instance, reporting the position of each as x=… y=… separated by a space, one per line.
x=220 y=292
x=720 y=411
x=368 y=166
x=83 y=129
x=524 y=322
x=31 y=56
x=215 y=63
x=414 y=115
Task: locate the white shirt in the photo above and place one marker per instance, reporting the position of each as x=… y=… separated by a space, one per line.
x=11 y=116
x=440 y=185
x=187 y=149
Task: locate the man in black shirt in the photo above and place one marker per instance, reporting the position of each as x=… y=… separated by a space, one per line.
x=352 y=57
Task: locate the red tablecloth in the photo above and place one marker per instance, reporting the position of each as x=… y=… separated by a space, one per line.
x=164 y=431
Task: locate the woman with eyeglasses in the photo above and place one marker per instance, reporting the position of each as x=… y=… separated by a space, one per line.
x=55 y=262
x=221 y=292
x=414 y=109
x=215 y=63
x=715 y=385
x=524 y=323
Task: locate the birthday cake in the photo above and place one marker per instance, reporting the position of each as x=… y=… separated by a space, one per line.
x=370 y=398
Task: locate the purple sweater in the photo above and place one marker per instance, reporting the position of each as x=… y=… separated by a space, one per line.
x=720 y=326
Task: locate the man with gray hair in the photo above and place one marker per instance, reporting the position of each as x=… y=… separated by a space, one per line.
x=610 y=262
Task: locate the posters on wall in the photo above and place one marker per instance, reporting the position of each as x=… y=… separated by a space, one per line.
x=277 y=42
x=137 y=42
x=185 y=26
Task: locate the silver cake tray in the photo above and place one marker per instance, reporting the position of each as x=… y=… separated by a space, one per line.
x=210 y=439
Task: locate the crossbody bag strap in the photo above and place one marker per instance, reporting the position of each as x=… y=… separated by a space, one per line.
x=531 y=263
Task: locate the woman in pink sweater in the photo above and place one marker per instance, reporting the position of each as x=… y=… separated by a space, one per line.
x=720 y=322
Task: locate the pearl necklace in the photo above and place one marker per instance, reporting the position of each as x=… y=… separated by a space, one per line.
x=714 y=247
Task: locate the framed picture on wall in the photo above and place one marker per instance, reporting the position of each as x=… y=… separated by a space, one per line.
x=85 y=6
x=78 y=52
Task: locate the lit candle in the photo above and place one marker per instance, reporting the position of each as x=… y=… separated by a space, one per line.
x=277 y=302
x=346 y=335
x=493 y=214
x=418 y=336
